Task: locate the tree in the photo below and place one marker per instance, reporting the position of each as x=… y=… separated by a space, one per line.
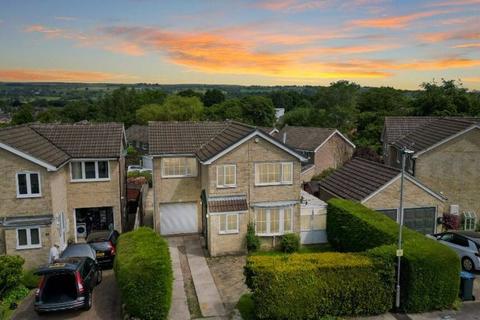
x=230 y=109
x=50 y=115
x=23 y=115
x=258 y=110
x=76 y=111
x=120 y=105
x=174 y=108
x=286 y=99
x=190 y=93
x=213 y=96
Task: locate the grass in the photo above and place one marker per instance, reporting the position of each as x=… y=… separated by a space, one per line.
x=246 y=307
x=311 y=248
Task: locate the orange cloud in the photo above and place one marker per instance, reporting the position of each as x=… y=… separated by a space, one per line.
x=471 y=79
x=454 y=3
x=49 y=75
x=473 y=34
x=394 y=21
x=127 y=48
x=467 y=45
x=447 y=63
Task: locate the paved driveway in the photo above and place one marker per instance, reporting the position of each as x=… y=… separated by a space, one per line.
x=106 y=304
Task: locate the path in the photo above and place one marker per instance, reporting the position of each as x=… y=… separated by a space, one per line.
x=179 y=308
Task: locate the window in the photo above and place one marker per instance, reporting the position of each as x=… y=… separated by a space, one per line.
x=28 y=238
x=273 y=221
x=469 y=220
x=314 y=219
x=228 y=223
x=273 y=173
x=28 y=185
x=179 y=167
x=90 y=170
x=226 y=176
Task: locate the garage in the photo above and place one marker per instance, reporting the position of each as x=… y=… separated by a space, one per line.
x=419 y=219
x=93 y=219
x=178 y=218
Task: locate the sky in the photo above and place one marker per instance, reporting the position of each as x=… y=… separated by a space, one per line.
x=285 y=42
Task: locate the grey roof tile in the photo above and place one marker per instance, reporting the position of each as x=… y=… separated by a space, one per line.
x=304 y=138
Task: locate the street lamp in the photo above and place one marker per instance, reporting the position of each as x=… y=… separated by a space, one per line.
x=404 y=152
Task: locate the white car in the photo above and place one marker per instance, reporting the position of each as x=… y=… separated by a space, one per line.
x=133 y=168
x=466 y=244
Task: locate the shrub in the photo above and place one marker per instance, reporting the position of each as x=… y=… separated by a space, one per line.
x=10 y=272
x=310 y=286
x=146 y=174
x=322 y=175
x=290 y=243
x=451 y=221
x=143 y=270
x=253 y=241
x=29 y=279
x=430 y=270
x=11 y=299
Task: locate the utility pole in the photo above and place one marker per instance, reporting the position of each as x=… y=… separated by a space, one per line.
x=404 y=151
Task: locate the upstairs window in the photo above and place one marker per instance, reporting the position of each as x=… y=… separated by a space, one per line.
x=226 y=176
x=179 y=167
x=273 y=173
x=90 y=170
x=28 y=185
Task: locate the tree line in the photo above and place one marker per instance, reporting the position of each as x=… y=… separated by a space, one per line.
x=357 y=111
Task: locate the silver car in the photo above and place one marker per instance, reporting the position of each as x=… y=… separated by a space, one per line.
x=466 y=244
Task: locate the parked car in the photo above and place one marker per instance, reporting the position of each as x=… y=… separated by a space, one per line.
x=104 y=243
x=79 y=250
x=66 y=284
x=466 y=244
x=133 y=168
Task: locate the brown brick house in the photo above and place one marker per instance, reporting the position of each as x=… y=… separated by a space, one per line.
x=59 y=182
x=215 y=177
x=377 y=186
x=323 y=147
x=446 y=156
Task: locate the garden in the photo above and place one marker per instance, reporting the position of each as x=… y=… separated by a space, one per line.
x=358 y=279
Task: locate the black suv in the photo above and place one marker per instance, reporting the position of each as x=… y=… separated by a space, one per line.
x=104 y=244
x=67 y=284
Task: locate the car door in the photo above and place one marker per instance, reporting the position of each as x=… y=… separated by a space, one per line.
x=87 y=273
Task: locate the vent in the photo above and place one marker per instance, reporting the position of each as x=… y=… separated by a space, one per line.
x=454 y=209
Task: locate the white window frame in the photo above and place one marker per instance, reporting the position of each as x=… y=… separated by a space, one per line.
x=224 y=167
x=178 y=175
x=282 y=179
x=228 y=231
x=282 y=222
x=29 y=193
x=29 y=244
x=84 y=179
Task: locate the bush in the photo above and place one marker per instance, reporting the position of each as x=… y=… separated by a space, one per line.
x=430 y=270
x=10 y=272
x=11 y=299
x=253 y=241
x=290 y=243
x=146 y=174
x=143 y=270
x=310 y=286
x=29 y=279
x=451 y=221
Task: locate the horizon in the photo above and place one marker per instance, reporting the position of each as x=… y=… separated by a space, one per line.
x=373 y=43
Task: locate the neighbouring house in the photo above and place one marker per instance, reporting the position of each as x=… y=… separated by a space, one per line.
x=216 y=177
x=59 y=182
x=323 y=147
x=446 y=157
x=5 y=118
x=377 y=186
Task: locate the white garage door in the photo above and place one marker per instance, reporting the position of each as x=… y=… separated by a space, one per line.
x=178 y=218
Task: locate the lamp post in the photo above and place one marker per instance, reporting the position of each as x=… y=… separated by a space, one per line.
x=404 y=152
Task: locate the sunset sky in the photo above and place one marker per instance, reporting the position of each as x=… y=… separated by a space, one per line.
x=371 y=42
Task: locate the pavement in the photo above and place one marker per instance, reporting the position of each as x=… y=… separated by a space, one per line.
x=179 y=308
x=106 y=304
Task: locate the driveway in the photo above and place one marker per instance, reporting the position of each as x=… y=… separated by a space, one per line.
x=106 y=304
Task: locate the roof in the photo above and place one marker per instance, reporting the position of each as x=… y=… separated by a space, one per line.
x=358 y=178
x=396 y=127
x=310 y=201
x=137 y=133
x=55 y=144
x=205 y=140
x=227 y=204
x=306 y=138
x=434 y=132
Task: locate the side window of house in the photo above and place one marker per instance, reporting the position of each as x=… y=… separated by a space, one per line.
x=226 y=176
x=28 y=238
x=273 y=173
x=179 y=167
x=228 y=223
x=28 y=184
x=90 y=170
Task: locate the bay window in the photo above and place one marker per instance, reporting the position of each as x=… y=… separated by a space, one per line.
x=179 y=167
x=273 y=173
x=226 y=176
x=273 y=221
x=28 y=185
x=90 y=170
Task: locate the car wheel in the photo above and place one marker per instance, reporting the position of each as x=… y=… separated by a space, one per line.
x=99 y=276
x=467 y=264
x=88 y=303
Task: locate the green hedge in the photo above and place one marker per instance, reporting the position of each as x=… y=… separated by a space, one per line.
x=10 y=272
x=430 y=270
x=143 y=270
x=310 y=286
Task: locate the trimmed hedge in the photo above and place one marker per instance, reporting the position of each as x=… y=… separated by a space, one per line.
x=310 y=286
x=143 y=270
x=430 y=271
x=10 y=272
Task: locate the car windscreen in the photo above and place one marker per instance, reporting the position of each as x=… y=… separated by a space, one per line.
x=83 y=250
x=98 y=236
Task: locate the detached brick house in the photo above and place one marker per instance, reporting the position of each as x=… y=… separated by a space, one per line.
x=446 y=156
x=215 y=177
x=59 y=182
x=323 y=147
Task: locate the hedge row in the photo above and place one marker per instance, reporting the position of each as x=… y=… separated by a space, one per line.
x=310 y=286
x=430 y=270
x=143 y=270
x=10 y=272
